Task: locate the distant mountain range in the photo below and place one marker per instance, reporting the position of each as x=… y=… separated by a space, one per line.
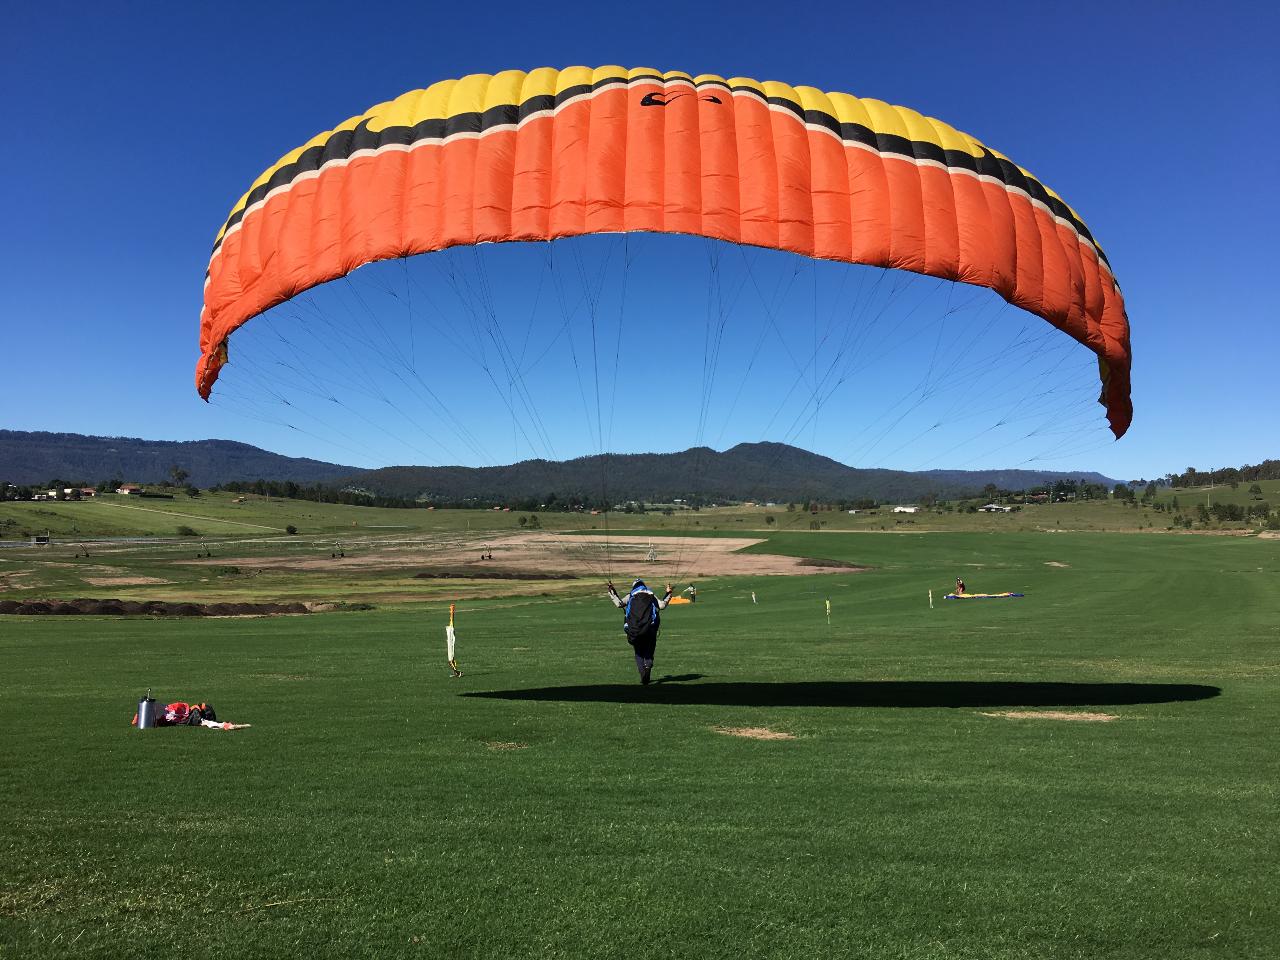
x=749 y=471
x=31 y=457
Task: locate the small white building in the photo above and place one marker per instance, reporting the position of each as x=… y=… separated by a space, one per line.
x=130 y=489
x=906 y=509
x=995 y=508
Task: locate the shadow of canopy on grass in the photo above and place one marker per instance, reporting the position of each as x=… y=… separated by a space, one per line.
x=869 y=693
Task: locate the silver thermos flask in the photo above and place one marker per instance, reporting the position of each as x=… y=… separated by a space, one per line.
x=146 y=711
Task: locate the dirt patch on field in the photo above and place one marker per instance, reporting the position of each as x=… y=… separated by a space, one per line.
x=1055 y=563
x=14 y=581
x=1053 y=715
x=1269 y=535
x=85 y=606
x=540 y=555
x=754 y=733
x=505 y=745
x=122 y=581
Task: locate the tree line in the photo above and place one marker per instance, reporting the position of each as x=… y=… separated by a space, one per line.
x=1191 y=477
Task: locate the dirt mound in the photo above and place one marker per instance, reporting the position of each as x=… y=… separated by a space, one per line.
x=829 y=564
x=283 y=608
x=88 y=607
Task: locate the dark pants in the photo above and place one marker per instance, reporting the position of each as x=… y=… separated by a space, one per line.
x=644 y=646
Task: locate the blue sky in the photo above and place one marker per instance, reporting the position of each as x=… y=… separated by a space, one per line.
x=134 y=127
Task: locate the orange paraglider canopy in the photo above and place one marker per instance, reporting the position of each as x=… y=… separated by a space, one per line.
x=549 y=154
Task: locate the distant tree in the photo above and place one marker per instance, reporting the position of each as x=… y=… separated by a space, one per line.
x=1227 y=511
x=185 y=531
x=291 y=529
x=192 y=491
x=1150 y=492
x=769 y=520
x=791 y=508
x=1255 y=492
x=179 y=475
x=523 y=521
x=1121 y=492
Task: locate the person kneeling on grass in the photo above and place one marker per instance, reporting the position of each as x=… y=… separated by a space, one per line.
x=181 y=714
x=640 y=622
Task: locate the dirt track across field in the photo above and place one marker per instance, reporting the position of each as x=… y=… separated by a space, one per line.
x=539 y=552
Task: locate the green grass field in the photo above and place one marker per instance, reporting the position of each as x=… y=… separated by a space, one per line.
x=231 y=515
x=547 y=805
x=220 y=516
x=1188 y=497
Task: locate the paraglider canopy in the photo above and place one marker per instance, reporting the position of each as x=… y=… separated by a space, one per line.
x=549 y=154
